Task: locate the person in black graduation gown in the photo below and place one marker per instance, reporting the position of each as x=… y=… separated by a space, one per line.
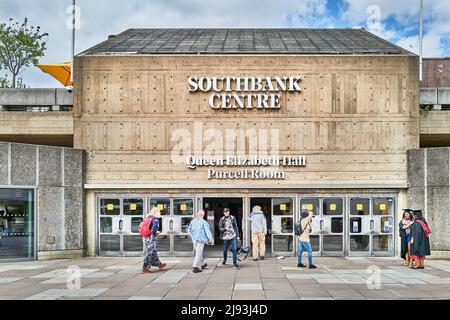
x=420 y=241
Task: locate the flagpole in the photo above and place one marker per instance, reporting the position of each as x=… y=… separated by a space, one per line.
x=421 y=41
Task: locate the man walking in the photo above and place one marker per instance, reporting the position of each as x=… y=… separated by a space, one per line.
x=200 y=234
x=229 y=233
x=258 y=227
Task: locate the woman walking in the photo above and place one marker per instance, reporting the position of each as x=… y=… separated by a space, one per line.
x=405 y=236
x=420 y=241
x=151 y=258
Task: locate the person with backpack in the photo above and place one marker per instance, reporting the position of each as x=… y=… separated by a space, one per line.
x=229 y=233
x=200 y=234
x=258 y=227
x=149 y=229
x=302 y=230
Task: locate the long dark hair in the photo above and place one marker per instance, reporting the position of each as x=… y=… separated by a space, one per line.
x=411 y=217
x=419 y=216
x=304 y=215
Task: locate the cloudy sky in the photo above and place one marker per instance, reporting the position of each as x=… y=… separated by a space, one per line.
x=395 y=20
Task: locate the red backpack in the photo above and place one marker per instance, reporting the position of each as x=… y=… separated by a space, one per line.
x=144 y=227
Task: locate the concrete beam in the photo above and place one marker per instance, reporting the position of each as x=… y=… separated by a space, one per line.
x=428 y=96
x=443 y=95
x=35 y=97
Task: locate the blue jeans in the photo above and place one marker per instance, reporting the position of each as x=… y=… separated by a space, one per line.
x=307 y=247
x=226 y=245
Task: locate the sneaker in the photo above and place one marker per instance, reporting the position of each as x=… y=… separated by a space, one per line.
x=196 y=270
x=262 y=258
x=146 y=271
x=224 y=263
x=162 y=265
x=301 y=265
x=255 y=259
x=235 y=266
x=204 y=266
x=312 y=266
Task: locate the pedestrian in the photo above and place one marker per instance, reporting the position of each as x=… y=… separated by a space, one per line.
x=200 y=234
x=258 y=227
x=229 y=233
x=420 y=240
x=151 y=258
x=304 y=242
x=405 y=236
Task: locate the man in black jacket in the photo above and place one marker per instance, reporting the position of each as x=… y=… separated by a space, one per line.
x=229 y=233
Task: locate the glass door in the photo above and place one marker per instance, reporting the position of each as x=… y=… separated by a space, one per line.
x=283 y=226
x=371 y=231
x=132 y=216
x=119 y=221
x=327 y=236
x=176 y=215
x=382 y=227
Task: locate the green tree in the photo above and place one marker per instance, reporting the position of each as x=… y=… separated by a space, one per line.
x=20 y=46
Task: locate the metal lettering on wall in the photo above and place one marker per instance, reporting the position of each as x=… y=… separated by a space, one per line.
x=272 y=165
x=255 y=92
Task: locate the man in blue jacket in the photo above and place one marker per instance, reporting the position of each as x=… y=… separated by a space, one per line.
x=201 y=234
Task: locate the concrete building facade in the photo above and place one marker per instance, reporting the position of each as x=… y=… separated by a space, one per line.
x=292 y=120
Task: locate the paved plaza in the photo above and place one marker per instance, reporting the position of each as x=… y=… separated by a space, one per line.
x=274 y=279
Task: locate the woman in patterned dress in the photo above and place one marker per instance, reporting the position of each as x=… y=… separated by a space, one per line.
x=151 y=258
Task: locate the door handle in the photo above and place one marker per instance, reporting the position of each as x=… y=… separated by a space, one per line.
x=372 y=225
x=171 y=225
x=321 y=225
x=121 y=226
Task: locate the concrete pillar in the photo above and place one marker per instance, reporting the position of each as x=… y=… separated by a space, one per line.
x=90 y=235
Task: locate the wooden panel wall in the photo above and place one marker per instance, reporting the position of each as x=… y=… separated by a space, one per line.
x=354 y=119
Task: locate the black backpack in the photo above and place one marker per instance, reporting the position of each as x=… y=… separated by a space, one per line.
x=298 y=228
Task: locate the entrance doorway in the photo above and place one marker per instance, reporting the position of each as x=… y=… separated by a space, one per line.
x=266 y=207
x=213 y=208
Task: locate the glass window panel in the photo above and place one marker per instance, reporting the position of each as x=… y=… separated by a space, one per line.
x=163 y=243
x=110 y=207
x=308 y=205
x=16 y=223
x=359 y=207
x=162 y=204
x=183 y=207
x=386 y=225
x=182 y=243
x=133 y=207
x=337 y=225
x=282 y=206
x=282 y=243
x=383 y=206
x=359 y=243
x=287 y=225
x=133 y=243
x=315 y=243
x=110 y=242
x=135 y=222
x=105 y=225
x=333 y=207
x=185 y=224
x=332 y=243
x=382 y=243
x=355 y=225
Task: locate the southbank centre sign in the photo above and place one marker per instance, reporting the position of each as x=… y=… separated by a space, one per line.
x=244 y=92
